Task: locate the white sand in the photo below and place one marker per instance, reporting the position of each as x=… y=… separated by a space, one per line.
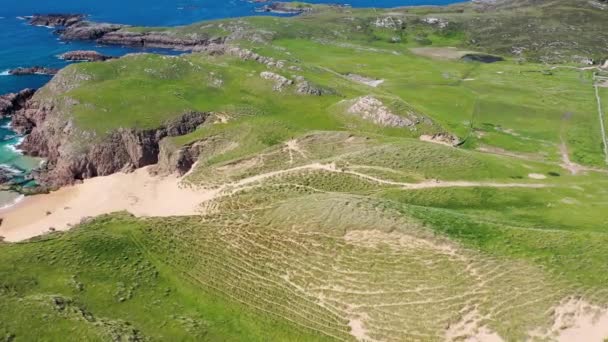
x=429 y=138
x=576 y=320
x=139 y=193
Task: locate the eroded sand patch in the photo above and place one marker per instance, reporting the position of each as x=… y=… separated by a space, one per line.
x=577 y=320
x=471 y=329
x=450 y=53
x=441 y=138
x=536 y=176
x=372 y=82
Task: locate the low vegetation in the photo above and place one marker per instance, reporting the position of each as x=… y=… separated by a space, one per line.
x=328 y=226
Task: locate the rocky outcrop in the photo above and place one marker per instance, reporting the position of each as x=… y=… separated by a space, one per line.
x=74 y=155
x=86 y=30
x=35 y=70
x=177 y=160
x=13 y=102
x=285 y=8
x=483 y=58
x=6 y=175
x=85 y=56
x=156 y=40
x=280 y=82
x=371 y=109
x=55 y=20
x=304 y=87
x=241 y=53
x=391 y=23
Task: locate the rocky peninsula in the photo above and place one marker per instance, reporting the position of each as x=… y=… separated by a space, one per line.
x=35 y=70
x=75 y=27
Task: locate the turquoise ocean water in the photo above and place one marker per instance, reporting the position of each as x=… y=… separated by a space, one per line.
x=22 y=45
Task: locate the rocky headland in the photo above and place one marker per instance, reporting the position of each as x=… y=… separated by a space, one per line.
x=53 y=137
x=35 y=70
x=75 y=27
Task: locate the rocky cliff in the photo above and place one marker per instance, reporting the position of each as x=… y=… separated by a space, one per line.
x=73 y=154
x=10 y=103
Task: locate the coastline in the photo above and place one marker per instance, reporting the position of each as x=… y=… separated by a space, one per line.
x=139 y=193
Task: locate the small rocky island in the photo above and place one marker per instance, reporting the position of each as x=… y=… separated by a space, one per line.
x=85 y=56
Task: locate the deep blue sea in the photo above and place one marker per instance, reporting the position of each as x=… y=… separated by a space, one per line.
x=22 y=45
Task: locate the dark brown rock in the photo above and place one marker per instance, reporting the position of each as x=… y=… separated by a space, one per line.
x=10 y=103
x=88 y=30
x=54 y=138
x=74 y=27
x=35 y=70
x=88 y=56
x=55 y=20
x=156 y=40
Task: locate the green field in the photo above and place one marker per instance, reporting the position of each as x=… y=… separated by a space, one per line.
x=329 y=225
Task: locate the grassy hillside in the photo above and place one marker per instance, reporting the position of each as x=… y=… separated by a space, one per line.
x=315 y=254
x=330 y=224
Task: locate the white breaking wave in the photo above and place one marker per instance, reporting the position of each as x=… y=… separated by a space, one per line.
x=13 y=147
x=5 y=73
x=10 y=168
x=13 y=202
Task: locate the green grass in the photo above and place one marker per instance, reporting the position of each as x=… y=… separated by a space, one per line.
x=310 y=254
x=117 y=289
x=511 y=106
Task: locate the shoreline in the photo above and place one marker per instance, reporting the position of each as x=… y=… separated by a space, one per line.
x=139 y=193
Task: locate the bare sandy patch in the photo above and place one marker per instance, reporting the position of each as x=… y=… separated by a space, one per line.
x=470 y=329
x=372 y=82
x=357 y=329
x=441 y=138
x=537 y=176
x=577 y=320
x=451 y=53
x=139 y=193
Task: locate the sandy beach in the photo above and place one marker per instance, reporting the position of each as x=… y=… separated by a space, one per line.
x=139 y=193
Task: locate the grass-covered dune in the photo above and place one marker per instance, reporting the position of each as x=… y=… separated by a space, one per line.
x=339 y=207
x=354 y=251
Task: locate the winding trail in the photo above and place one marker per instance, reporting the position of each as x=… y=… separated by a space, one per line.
x=144 y=195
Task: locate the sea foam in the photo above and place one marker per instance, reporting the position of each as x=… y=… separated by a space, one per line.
x=11 y=169
x=13 y=202
x=13 y=147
